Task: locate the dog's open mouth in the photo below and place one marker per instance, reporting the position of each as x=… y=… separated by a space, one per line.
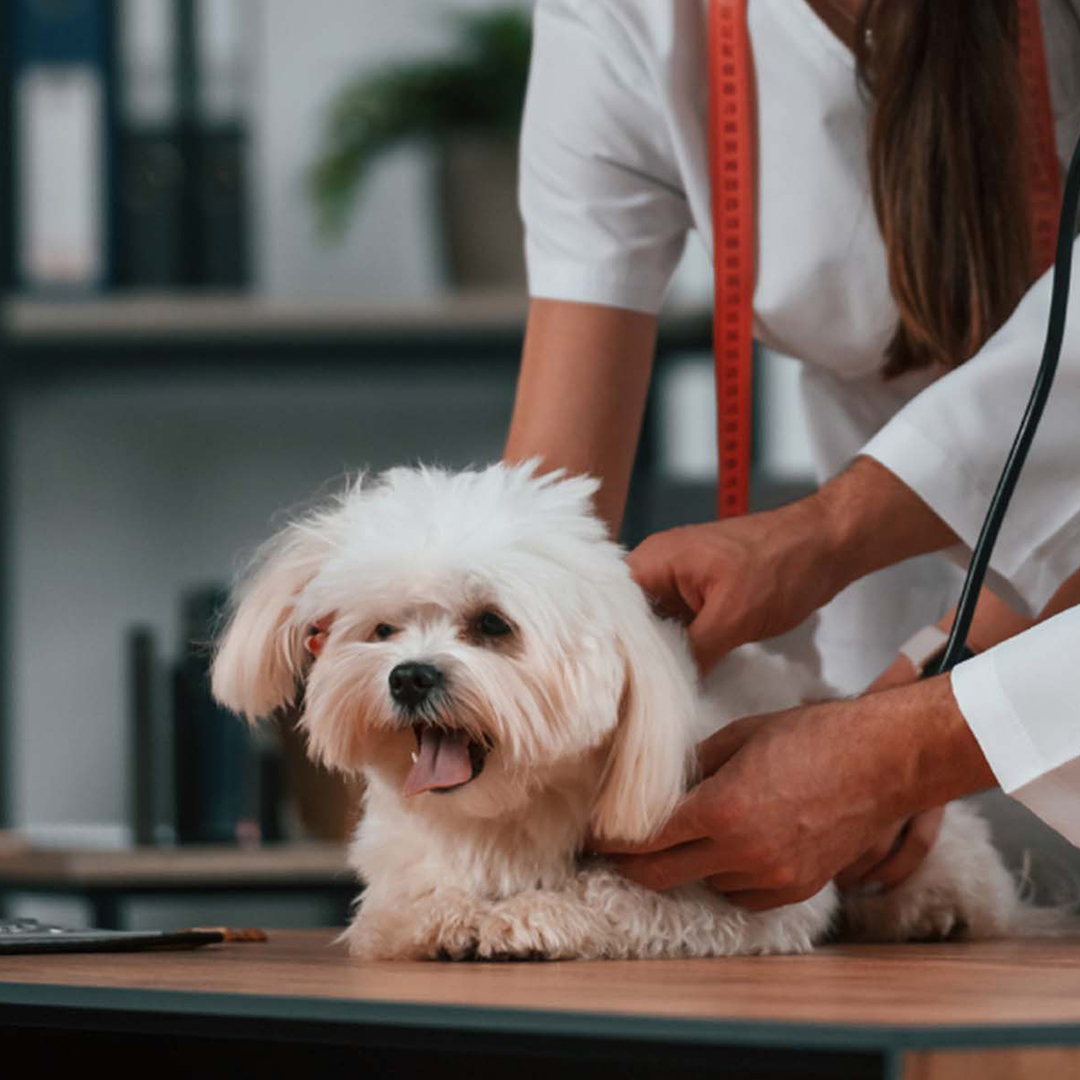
x=445 y=760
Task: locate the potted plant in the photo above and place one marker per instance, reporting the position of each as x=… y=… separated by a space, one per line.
x=468 y=105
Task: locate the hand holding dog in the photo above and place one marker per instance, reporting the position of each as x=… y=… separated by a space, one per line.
x=753 y=577
x=791 y=799
x=735 y=581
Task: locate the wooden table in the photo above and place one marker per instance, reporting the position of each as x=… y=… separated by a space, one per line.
x=913 y=1012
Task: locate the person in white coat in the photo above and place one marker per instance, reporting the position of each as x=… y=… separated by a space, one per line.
x=894 y=260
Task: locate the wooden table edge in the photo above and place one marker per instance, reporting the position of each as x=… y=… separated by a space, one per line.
x=215 y=1008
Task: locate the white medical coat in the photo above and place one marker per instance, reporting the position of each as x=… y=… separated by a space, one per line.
x=614 y=174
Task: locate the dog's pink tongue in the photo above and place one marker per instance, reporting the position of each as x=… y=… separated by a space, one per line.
x=442 y=762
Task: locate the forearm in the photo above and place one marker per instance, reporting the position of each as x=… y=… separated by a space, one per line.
x=581 y=394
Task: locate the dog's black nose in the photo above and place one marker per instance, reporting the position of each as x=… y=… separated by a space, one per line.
x=410 y=684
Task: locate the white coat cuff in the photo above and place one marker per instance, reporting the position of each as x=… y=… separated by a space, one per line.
x=1020 y=703
x=993 y=721
x=553 y=280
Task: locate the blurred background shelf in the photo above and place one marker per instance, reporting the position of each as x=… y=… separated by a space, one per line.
x=188 y=866
x=108 y=880
x=43 y=338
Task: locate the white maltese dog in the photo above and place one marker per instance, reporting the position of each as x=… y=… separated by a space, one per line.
x=475 y=646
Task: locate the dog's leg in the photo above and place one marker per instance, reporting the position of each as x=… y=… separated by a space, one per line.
x=602 y=915
x=441 y=925
x=544 y=924
x=962 y=889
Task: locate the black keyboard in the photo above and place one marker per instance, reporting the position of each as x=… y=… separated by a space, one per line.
x=31 y=936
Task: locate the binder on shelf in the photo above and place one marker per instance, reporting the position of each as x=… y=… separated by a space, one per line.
x=184 y=219
x=227 y=784
x=197 y=774
x=151 y=168
x=152 y=807
x=63 y=106
x=221 y=107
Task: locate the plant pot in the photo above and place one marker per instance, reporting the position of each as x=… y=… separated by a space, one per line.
x=483 y=239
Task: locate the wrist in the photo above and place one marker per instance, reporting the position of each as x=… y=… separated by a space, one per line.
x=949 y=760
x=812 y=549
x=926 y=755
x=870 y=519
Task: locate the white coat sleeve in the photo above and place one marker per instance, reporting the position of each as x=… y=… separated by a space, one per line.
x=1021 y=701
x=605 y=214
x=950 y=443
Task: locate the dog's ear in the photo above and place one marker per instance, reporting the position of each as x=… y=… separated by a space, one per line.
x=264 y=648
x=652 y=757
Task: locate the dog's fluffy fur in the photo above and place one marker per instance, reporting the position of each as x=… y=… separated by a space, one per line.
x=579 y=707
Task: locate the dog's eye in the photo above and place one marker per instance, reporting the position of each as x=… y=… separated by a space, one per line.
x=491 y=625
x=385 y=630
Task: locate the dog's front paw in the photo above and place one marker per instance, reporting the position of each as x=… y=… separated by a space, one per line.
x=539 y=925
x=440 y=927
x=908 y=914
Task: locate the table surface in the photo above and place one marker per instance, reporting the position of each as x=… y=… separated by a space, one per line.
x=986 y=994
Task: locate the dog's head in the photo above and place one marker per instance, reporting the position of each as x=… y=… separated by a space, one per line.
x=469 y=637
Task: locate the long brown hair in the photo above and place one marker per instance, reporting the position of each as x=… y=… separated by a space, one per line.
x=947 y=169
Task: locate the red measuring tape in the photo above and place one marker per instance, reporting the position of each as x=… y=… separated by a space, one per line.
x=1044 y=175
x=732 y=145
x=731 y=149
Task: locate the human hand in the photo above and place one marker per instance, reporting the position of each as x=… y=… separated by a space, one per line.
x=792 y=799
x=762 y=574
x=740 y=580
x=789 y=799
x=895 y=856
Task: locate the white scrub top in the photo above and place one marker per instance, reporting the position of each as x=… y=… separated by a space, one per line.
x=613 y=175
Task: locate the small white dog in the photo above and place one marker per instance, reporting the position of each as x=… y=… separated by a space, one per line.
x=475 y=646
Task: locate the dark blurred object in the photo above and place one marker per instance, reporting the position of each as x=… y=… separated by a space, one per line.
x=151 y=183
x=183 y=147
x=150 y=816
x=62 y=95
x=218 y=771
x=475 y=96
x=222 y=261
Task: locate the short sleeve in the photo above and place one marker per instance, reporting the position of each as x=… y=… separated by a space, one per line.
x=1021 y=701
x=950 y=442
x=605 y=214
